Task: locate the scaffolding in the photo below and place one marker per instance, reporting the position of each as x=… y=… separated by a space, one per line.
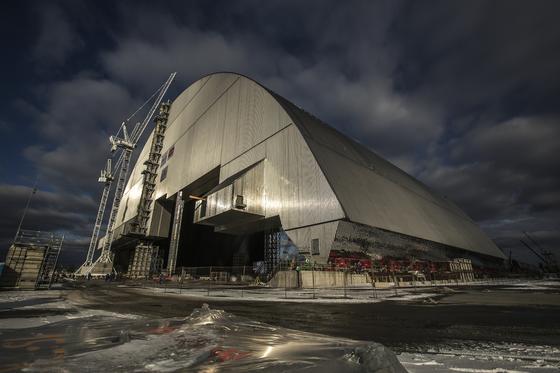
x=127 y=143
x=271 y=251
x=150 y=172
x=32 y=259
x=145 y=261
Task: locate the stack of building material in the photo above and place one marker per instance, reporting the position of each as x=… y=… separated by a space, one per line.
x=143 y=261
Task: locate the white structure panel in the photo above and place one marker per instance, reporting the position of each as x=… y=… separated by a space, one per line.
x=325 y=233
x=188 y=110
x=183 y=100
x=129 y=203
x=232 y=121
x=245 y=160
x=313 y=174
x=296 y=188
x=379 y=202
x=135 y=178
x=252 y=115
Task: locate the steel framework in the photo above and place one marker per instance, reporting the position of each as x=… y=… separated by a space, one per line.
x=34 y=255
x=175 y=233
x=127 y=143
x=271 y=250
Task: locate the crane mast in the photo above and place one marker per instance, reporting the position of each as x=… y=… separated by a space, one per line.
x=106 y=178
x=127 y=143
x=127 y=147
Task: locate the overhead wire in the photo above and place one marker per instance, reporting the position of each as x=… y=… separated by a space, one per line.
x=139 y=109
x=134 y=132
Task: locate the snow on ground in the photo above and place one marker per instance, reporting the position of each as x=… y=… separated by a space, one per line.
x=33 y=322
x=51 y=307
x=472 y=362
x=483 y=357
x=207 y=340
x=535 y=285
x=352 y=295
x=58 y=333
x=7 y=297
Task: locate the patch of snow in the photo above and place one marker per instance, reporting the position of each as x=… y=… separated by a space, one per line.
x=494 y=370
x=412 y=296
x=483 y=357
x=353 y=295
x=73 y=313
x=431 y=362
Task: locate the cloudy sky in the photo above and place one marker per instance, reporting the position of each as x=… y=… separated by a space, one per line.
x=464 y=95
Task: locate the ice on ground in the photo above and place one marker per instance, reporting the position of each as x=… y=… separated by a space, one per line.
x=52 y=310
x=494 y=370
x=481 y=357
x=535 y=285
x=326 y=295
x=207 y=340
x=79 y=339
x=17 y=296
x=407 y=297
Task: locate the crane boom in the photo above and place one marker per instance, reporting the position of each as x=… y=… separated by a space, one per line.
x=137 y=133
x=98 y=222
x=127 y=143
x=123 y=173
x=534 y=251
x=106 y=178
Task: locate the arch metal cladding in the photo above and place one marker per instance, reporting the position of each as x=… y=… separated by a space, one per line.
x=259 y=162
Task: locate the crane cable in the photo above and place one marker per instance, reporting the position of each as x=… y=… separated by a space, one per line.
x=118 y=162
x=140 y=108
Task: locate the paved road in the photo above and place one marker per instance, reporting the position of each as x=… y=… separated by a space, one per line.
x=530 y=317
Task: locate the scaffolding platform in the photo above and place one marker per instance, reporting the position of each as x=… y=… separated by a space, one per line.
x=31 y=260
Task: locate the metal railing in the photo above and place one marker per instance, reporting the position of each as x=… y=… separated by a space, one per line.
x=38 y=238
x=291 y=282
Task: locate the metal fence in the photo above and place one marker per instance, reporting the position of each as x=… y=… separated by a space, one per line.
x=304 y=282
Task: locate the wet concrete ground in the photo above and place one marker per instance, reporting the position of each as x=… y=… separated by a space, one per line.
x=483 y=329
x=485 y=315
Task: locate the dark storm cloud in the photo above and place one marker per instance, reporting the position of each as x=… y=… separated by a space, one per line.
x=511 y=164
x=57 y=38
x=461 y=94
x=58 y=212
x=79 y=116
x=482 y=54
x=525 y=144
x=348 y=58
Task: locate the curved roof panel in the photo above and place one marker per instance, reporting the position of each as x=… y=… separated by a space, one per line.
x=316 y=174
x=375 y=192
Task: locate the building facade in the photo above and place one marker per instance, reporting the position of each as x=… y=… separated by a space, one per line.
x=243 y=172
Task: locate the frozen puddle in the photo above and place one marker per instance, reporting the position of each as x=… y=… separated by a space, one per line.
x=49 y=333
x=206 y=341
